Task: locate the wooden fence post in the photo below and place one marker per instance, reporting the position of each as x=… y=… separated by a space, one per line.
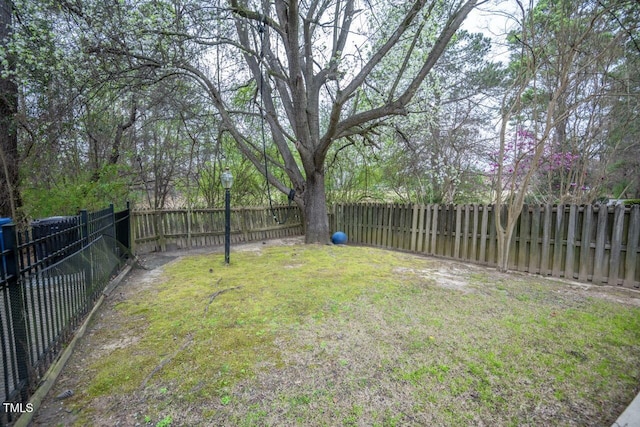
x=465 y=233
x=493 y=236
x=632 y=246
x=421 y=229
x=474 y=233
x=523 y=239
x=405 y=224
x=546 y=240
x=571 y=243
x=534 y=248
x=243 y=224
x=388 y=237
x=483 y=234
x=427 y=229
x=585 y=243
x=557 y=241
x=189 y=242
x=333 y=225
x=368 y=224
x=434 y=230
x=457 y=233
x=414 y=228
x=443 y=229
x=616 y=245
x=377 y=216
x=601 y=236
x=159 y=226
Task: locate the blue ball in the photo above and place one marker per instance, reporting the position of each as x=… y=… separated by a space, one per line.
x=339 y=238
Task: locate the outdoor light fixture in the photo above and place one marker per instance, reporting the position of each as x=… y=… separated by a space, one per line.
x=227 y=182
x=227 y=179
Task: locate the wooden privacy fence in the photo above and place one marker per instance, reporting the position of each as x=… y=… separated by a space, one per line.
x=161 y=230
x=596 y=243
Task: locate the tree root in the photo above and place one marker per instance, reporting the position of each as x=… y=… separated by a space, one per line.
x=215 y=294
x=164 y=362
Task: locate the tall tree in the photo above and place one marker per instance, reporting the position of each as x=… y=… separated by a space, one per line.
x=556 y=107
x=440 y=142
x=300 y=58
x=622 y=179
x=10 y=200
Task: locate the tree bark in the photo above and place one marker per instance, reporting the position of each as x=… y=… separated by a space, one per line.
x=10 y=200
x=316 y=220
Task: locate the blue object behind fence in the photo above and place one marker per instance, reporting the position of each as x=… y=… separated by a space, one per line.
x=3 y=221
x=339 y=238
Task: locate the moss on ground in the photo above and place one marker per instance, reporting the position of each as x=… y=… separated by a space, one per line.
x=203 y=346
x=331 y=335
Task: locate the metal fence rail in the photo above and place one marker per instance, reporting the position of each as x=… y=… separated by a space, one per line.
x=49 y=280
x=598 y=244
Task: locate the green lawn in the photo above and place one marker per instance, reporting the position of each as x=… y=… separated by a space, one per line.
x=335 y=335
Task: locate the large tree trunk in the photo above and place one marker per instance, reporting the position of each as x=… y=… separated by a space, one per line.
x=10 y=200
x=9 y=194
x=316 y=221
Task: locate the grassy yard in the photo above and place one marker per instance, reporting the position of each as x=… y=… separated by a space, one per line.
x=331 y=335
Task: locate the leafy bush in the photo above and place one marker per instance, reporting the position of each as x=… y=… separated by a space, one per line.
x=66 y=198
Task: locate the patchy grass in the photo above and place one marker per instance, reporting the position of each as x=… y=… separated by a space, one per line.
x=227 y=319
x=334 y=335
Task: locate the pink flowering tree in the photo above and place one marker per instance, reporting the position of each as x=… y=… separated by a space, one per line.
x=554 y=113
x=515 y=166
x=562 y=177
x=513 y=160
x=559 y=175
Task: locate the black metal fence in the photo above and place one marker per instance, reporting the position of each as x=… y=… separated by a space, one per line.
x=51 y=275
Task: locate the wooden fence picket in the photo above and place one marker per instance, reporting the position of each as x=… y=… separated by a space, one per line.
x=601 y=235
x=483 y=234
x=616 y=245
x=546 y=240
x=474 y=233
x=534 y=246
x=631 y=258
x=588 y=243
x=523 y=239
x=571 y=243
x=558 y=238
x=156 y=230
x=585 y=243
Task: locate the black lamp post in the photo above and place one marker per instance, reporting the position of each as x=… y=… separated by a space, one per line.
x=227 y=182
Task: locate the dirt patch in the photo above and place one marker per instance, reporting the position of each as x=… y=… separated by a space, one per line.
x=121 y=343
x=154 y=260
x=459 y=276
x=610 y=293
x=447 y=275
